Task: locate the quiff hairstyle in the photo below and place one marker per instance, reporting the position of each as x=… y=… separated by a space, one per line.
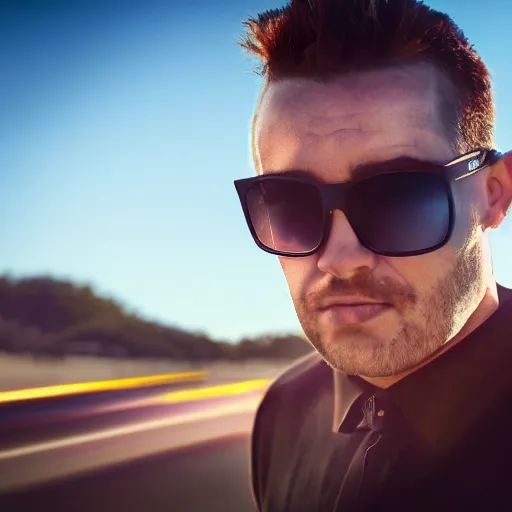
x=322 y=39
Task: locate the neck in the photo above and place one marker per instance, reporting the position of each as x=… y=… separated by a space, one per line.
x=487 y=306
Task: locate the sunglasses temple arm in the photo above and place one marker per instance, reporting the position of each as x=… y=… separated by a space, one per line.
x=491 y=157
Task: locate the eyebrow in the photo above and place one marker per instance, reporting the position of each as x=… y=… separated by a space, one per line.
x=401 y=163
x=367 y=169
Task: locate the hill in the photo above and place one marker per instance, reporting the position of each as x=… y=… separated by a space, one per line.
x=48 y=317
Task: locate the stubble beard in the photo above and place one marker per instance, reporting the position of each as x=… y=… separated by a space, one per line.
x=424 y=327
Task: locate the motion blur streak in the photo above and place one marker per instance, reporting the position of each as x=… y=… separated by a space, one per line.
x=107 y=385
x=239 y=407
x=238 y=388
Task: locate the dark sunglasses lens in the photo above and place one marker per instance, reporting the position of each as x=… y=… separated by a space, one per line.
x=287 y=215
x=400 y=212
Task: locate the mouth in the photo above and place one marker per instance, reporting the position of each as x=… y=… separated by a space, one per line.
x=353 y=313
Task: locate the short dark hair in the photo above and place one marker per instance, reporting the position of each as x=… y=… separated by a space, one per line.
x=322 y=39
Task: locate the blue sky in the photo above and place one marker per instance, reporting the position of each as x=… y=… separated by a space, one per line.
x=123 y=127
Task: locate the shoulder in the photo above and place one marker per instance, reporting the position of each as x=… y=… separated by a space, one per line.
x=280 y=414
x=307 y=377
x=505 y=297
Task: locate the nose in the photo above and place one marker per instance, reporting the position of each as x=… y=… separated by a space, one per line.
x=343 y=256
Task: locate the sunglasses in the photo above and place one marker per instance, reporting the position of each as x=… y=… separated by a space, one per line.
x=393 y=212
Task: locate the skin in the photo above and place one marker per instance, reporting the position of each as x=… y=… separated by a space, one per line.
x=437 y=299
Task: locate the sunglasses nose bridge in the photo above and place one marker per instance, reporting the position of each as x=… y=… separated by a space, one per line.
x=334 y=196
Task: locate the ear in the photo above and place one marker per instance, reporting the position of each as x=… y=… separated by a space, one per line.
x=499 y=191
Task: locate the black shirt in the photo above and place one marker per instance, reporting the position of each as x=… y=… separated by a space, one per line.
x=439 y=439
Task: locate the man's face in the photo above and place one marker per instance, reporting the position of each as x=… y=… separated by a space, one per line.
x=327 y=129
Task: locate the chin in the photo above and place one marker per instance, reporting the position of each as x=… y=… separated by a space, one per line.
x=358 y=353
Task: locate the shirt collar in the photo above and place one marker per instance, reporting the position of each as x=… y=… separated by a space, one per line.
x=349 y=397
x=445 y=397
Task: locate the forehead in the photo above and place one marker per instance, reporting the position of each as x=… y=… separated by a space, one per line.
x=327 y=129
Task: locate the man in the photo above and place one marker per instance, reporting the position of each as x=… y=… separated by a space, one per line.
x=377 y=186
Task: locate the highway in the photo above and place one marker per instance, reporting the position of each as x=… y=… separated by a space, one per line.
x=206 y=477
x=152 y=448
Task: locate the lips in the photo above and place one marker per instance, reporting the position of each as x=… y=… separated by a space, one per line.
x=352 y=304
x=349 y=302
x=351 y=313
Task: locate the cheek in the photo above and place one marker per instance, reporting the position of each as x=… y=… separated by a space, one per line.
x=299 y=274
x=469 y=210
x=423 y=272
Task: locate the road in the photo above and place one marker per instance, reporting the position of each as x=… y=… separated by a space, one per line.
x=149 y=451
x=211 y=476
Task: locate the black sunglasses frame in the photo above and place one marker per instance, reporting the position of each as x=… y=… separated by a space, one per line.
x=334 y=196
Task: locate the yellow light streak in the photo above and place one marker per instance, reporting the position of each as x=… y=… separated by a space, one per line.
x=238 y=388
x=106 y=385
